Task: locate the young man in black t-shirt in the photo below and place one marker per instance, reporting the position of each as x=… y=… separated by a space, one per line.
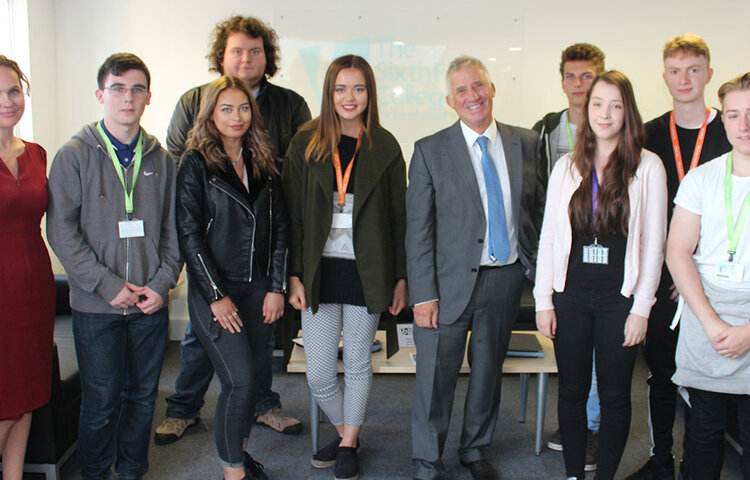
x=700 y=137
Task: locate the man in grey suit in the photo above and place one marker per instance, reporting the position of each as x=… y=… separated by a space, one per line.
x=474 y=210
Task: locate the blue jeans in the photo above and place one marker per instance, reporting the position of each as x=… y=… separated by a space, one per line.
x=196 y=373
x=119 y=359
x=593 y=411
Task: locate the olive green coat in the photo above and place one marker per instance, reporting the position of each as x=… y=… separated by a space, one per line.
x=378 y=218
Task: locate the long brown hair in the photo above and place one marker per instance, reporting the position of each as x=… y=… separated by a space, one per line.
x=326 y=128
x=613 y=210
x=205 y=137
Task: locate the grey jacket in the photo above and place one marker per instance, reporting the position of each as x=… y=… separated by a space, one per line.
x=445 y=219
x=86 y=202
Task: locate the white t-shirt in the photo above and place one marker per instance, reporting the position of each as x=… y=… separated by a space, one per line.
x=562 y=138
x=558 y=139
x=702 y=193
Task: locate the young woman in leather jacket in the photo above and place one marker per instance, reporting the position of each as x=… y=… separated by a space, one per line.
x=233 y=231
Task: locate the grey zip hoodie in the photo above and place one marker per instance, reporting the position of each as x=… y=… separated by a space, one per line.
x=86 y=202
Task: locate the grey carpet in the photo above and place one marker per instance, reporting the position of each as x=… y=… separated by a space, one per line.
x=386 y=436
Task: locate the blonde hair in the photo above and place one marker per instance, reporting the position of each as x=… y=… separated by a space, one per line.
x=687 y=43
x=741 y=82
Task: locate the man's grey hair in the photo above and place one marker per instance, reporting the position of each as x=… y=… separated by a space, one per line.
x=463 y=61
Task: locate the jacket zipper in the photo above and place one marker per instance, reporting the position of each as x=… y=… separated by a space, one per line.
x=128 y=217
x=286 y=264
x=270 y=223
x=252 y=243
x=215 y=288
x=208 y=228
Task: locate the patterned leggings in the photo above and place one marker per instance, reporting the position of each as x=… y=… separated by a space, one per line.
x=321 y=332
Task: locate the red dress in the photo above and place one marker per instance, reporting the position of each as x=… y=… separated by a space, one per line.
x=27 y=287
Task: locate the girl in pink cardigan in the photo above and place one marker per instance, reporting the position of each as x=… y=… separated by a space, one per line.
x=600 y=256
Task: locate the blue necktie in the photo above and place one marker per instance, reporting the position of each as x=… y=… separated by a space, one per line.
x=499 y=247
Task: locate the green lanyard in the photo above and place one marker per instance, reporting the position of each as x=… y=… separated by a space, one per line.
x=118 y=166
x=733 y=229
x=569 y=133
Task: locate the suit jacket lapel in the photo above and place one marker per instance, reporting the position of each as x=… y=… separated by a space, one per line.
x=514 y=163
x=458 y=154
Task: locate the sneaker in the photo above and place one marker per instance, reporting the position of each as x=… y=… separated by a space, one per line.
x=347 y=464
x=555 y=441
x=326 y=456
x=171 y=429
x=592 y=451
x=279 y=421
x=253 y=468
x=654 y=470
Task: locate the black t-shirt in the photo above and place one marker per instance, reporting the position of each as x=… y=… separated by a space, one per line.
x=659 y=141
x=590 y=276
x=339 y=277
x=347 y=146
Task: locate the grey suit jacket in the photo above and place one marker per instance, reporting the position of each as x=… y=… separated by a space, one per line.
x=445 y=218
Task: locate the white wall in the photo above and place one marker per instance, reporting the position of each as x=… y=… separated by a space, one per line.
x=69 y=39
x=72 y=38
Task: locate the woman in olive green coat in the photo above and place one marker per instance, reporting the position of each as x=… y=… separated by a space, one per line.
x=345 y=180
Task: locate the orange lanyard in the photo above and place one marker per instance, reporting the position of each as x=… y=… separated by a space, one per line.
x=342 y=182
x=676 y=145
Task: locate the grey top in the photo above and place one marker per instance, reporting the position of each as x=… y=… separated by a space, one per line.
x=86 y=203
x=698 y=364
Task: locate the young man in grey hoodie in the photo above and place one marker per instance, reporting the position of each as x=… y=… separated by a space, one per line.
x=111 y=222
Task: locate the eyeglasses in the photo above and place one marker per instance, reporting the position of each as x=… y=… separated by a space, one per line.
x=121 y=90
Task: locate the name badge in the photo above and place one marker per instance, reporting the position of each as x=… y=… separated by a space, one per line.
x=596 y=254
x=341 y=220
x=131 y=228
x=729 y=271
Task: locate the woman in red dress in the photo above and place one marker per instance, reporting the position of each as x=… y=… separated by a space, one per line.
x=27 y=295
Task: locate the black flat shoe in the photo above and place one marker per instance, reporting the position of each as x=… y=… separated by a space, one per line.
x=253 y=468
x=481 y=470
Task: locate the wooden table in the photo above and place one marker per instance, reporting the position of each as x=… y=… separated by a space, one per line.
x=401 y=362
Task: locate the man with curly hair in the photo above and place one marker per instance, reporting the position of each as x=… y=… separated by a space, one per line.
x=247 y=48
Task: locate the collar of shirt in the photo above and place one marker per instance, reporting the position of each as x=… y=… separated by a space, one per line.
x=125 y=152
x=470 y=136
x=261 y=87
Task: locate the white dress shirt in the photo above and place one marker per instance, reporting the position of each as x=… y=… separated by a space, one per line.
x=496 y=152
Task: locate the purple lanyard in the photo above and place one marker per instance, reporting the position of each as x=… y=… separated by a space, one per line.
x=594 y=196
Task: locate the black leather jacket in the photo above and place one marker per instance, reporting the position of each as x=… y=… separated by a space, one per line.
x=226 y=233
x=283 y=112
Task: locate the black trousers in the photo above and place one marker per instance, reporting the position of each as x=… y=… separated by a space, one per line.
x=660 y=346
x=591 y=321
x=237 y=359
x=704 y=440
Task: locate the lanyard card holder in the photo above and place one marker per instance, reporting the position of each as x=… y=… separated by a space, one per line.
x=596 y=254
x=729 y=271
